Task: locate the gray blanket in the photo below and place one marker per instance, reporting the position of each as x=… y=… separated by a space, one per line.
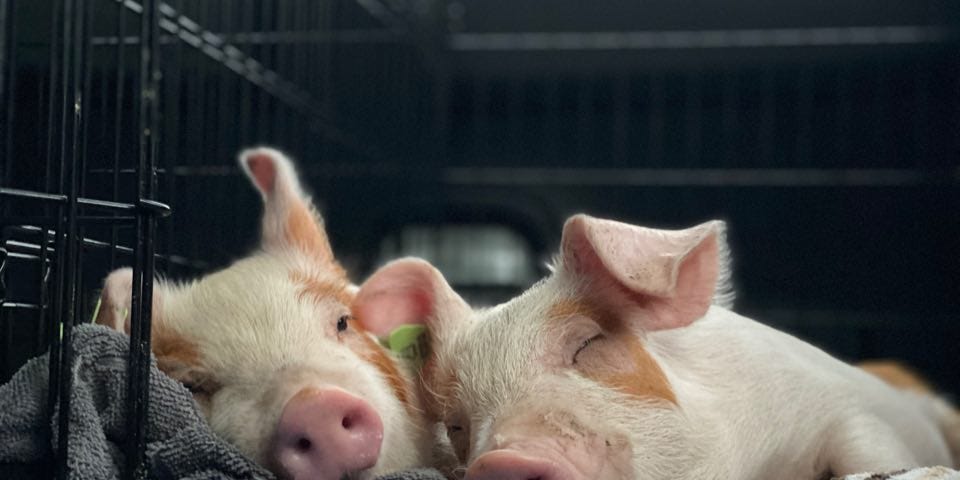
x=180 y=444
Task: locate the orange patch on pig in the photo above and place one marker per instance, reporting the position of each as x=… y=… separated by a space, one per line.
x=896 y=375
x=643 y=378
x=179 y=358
x=305 y=232
x=372 y=352
x=320 y=290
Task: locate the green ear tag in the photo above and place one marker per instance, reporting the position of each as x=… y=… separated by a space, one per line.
x=96 y=311
x=409 y=343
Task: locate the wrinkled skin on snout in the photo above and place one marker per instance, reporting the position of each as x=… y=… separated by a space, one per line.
x=273 y=353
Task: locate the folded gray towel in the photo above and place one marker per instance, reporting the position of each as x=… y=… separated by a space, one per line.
x=180 y=444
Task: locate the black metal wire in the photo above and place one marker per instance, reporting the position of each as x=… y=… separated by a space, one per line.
x=7 y=82
x=138 y=371
x=71 y=125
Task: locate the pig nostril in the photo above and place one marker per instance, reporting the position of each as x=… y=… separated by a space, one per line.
x=351 y=419
x=304 y=444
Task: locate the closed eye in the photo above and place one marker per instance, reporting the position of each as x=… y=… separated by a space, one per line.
x=586 y=343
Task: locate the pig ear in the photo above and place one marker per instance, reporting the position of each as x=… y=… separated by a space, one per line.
x=116 y=298
x=408 y=291
x=289 y=219
x=672 y=275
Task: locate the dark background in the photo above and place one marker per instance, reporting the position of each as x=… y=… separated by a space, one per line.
x=826 y=134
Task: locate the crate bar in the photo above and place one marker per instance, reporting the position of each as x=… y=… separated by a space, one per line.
x=53 y=330
x=702 y=39
x=71 y=127
x=63 y=199
x=138 y=371
x=7 y=83
x=119 y=59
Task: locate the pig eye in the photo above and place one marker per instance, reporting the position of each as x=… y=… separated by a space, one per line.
x=342 y=323
x=584 y=345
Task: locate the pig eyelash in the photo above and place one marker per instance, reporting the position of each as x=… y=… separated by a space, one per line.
x=342 y=323
x=585 y=344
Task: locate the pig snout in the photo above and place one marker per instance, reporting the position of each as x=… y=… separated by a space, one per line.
x=327 y=434
x=513 y=465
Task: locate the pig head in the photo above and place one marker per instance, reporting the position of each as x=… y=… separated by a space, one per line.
x=273 y=354
x=548 y=385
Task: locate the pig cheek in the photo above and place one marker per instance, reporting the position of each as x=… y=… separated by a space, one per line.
x=235 y=415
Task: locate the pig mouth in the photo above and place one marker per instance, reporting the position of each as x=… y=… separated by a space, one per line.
x=559 y=461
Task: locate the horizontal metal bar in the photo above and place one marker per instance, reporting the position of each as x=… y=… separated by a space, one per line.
x=146 y=206
x=347 y=36
x=702 y=39
x=22 y=256
x=22 y=306
x=98 y=244
x=83 y=219
x=110 y=171
x=31 y=195
x=705 y=177
x=14 y=245
x=365 y=169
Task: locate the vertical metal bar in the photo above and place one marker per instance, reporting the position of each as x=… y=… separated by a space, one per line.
x=246 y=128
x=86 y=66
x=284 y=66
x=73 y=41
x=172 y=147
x=119 y=60
x=53 y=106
x=43 y=300
x=7 y=83
x=138 y=371
x=265 y=129
x=194 y=115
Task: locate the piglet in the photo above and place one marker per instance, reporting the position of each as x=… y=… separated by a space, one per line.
x=273 y=354
x=625 y=364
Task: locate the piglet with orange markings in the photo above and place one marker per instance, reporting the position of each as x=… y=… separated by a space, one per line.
x=626 y=363
x=273 y=354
